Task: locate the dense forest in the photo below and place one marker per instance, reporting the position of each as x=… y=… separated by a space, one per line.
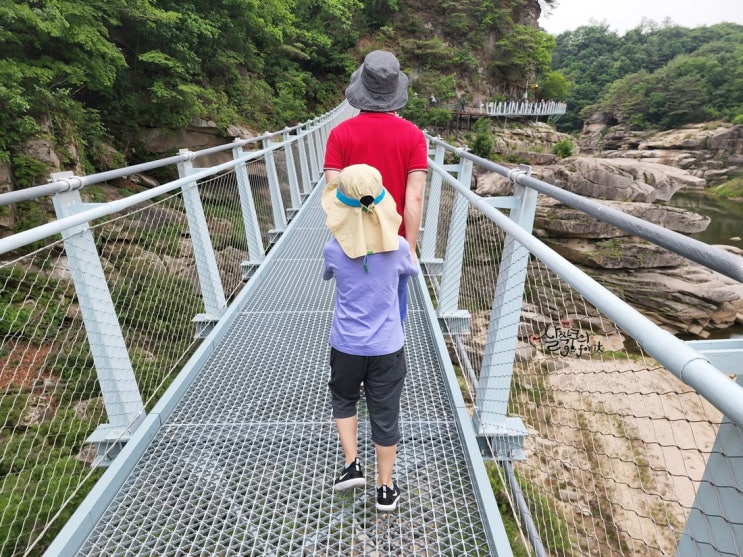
x=653 y=76
x=88 y=74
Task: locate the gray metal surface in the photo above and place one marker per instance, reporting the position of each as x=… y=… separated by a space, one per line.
x=245 y=463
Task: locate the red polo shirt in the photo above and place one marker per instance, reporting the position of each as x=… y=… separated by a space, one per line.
x=391 y=144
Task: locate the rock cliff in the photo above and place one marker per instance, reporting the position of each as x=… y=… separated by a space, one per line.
x=712 y=151
x=677 y=294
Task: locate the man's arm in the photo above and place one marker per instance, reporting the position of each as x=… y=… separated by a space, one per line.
x=413 y=208
x=330 y=174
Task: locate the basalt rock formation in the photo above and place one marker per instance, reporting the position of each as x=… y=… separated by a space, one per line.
x=711 y=150
x=675 y=293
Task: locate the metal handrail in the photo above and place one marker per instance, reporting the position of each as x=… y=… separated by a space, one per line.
x=78 y=182
x=714 y=258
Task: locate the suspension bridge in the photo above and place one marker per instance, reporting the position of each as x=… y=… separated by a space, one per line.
x=164 y=367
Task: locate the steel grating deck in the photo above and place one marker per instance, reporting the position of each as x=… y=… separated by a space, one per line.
x=244 y=463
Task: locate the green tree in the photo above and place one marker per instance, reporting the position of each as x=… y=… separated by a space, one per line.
x=653 y=75
x=563 y=148
x=522 y=53
x=54 y=56
x=483 y=143
x=554 y=86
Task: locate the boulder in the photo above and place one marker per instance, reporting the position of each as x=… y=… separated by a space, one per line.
x=685 y=299
x=598 y=178
x=43 y=150
x=613 y=254
x=556 y=220
x=201 y=134
x=617 y=179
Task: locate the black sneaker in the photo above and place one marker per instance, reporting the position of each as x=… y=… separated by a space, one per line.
x=387 y=497
x=350 y=477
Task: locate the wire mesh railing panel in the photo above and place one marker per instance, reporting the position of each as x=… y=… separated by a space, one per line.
x=52 y=399
x=262 y=199
x=616 y=445
x=221 y=202
x=283 y=176
x=49 y=396
x=481 y=257
x=149 y=263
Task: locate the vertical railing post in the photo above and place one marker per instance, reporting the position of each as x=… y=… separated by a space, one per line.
x=274 y=188
x=431 y=265
x=452 y=319
x=291 y=173
x=119 y=389
x=303 y=162
x=210 y=281
x=256 y=251
x=494 y=386
x=315 y=149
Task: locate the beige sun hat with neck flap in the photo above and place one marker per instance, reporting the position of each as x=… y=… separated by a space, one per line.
x=361 y=213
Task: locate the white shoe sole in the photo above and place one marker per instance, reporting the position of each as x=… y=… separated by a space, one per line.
x=350 y=484
x=388 y=508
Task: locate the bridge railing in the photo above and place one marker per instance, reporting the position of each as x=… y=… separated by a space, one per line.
x=507 y=108
x=100 y=308
x=611 y=435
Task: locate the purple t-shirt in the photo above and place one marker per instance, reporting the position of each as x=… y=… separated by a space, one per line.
x=366 y=321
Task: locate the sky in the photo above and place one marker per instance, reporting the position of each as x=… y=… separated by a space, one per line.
x=623 y=15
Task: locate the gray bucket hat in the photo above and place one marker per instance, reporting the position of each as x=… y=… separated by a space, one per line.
x=378 y=85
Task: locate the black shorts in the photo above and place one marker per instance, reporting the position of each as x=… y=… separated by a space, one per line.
x=383 y=378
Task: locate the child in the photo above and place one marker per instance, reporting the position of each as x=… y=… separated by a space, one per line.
x=367 y=259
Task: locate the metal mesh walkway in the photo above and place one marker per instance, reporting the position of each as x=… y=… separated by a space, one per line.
x=244 y=464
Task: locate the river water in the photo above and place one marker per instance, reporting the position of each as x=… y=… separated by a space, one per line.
x=725 y=227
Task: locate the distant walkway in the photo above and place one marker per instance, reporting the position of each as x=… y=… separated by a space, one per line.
x=505 y=108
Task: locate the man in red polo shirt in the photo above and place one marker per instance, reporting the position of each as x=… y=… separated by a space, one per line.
x=377 y=136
